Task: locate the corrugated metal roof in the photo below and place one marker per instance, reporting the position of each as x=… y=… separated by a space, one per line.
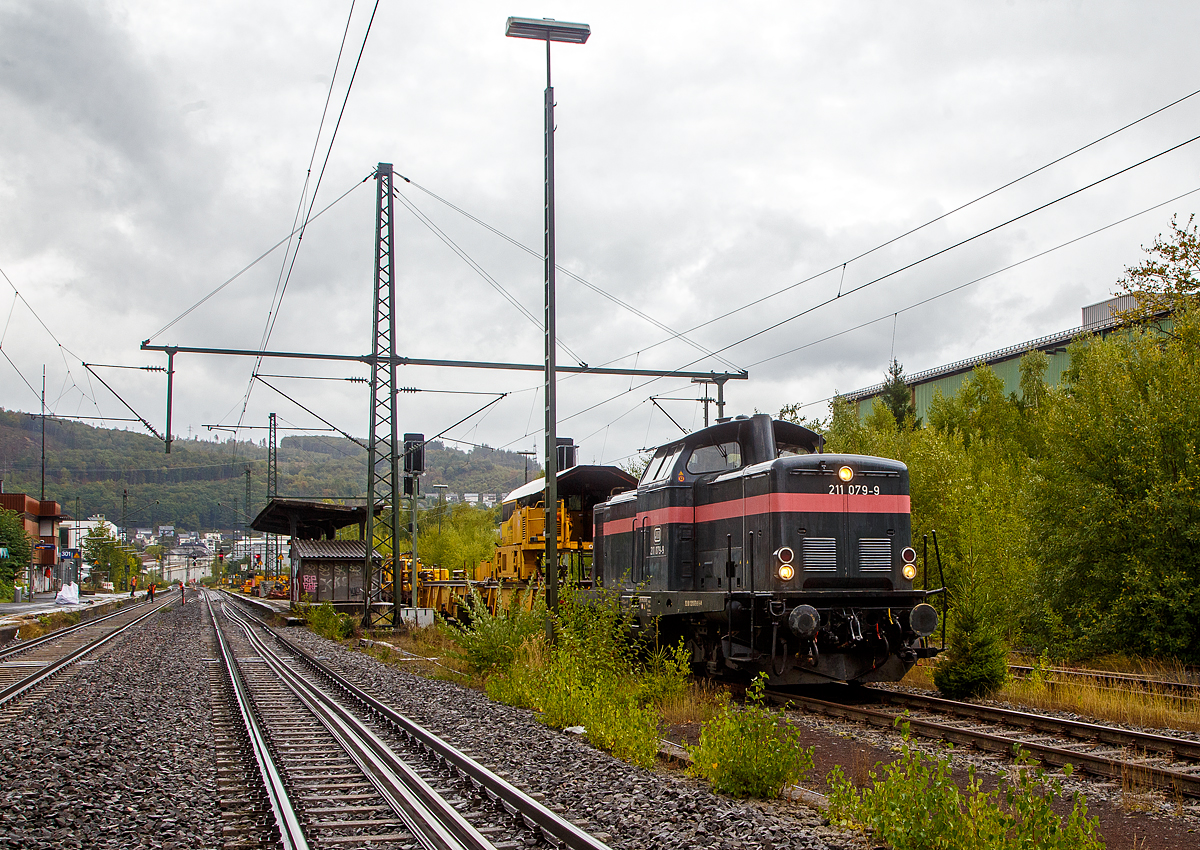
x=1097 y=319
x=331 y=549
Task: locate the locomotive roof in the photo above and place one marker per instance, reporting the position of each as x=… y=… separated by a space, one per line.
x=756 y=429
x=600 y=481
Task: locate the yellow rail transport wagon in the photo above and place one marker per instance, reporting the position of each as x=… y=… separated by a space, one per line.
x=517 y=564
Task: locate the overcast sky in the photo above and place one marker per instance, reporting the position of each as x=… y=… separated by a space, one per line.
x=708 y=155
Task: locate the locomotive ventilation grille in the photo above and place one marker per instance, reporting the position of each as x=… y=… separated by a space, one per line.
x=875 y=554
x=820 y=554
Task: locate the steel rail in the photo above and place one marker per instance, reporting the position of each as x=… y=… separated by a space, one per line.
x=22 y=686
x=1109 y=768
x=1150 y=741
x=434 y=822
x=556 y=830
x=21 y=646
x=1185 y=690
x=291 y=833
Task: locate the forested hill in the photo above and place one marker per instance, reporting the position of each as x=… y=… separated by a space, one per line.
x=201 y=484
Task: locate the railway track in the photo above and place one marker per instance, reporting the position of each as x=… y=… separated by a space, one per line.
x=30 y=665
x=333 y=767
x=1160 y=761
x=1109 y=679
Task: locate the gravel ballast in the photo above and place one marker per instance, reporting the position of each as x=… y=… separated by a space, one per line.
x=624 y=805
x=118 y=754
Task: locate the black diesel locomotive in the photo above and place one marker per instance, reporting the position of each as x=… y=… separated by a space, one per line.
x=767 y=554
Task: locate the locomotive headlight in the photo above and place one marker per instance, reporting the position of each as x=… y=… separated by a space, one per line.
x=785 y=555
x=845 y=473
x=786 y=572
x=909 y=571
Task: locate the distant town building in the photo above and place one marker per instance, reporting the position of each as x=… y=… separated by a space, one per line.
x=471 y=498
x=41 y=519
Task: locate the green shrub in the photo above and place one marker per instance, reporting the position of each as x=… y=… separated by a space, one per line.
x=750 y=751
x=593 y=677
x=616 y=721
x=328 y=623
x=916 y=805
x=976 y=662
x=665 y=674
x=488 y=642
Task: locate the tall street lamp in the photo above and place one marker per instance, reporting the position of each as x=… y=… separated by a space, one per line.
x=548 y=30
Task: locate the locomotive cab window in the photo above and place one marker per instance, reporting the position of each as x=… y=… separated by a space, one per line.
x=661 y=464
x=720 y=457
x=785 y=450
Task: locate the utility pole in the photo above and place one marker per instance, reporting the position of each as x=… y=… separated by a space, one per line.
x=383 y=476
x=43 y=436
x=272 y=541
x=527 y=456
x=123 y=533
x=246 y=515
x=707 y=399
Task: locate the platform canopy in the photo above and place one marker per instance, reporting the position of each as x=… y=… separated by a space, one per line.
x=307 y=520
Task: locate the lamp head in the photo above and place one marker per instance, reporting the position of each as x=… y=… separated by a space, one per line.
x=547 y=29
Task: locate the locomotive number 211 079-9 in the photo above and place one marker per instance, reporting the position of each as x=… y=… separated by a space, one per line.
x=853 y=490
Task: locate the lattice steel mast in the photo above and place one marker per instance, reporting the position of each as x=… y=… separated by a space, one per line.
x=383 y=476
x=271 y=550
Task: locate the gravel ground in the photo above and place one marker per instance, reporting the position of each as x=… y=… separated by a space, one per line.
x=118 y=755
x=1130 y=819
x=624 y=805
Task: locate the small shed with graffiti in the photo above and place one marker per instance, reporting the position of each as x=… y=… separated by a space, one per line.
x=329 y=571
x=324 y=569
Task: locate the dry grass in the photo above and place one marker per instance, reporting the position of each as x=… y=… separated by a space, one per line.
x=698 y=704
x=1137 y=789
x=920 y=676
x=1130 y=704
x=425 y=652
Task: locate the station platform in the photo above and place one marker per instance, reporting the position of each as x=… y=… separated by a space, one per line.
x=268 y=607
x=12 y=614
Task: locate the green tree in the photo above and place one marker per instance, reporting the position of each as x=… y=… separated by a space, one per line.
x=897 y=397
x=20 y=550
x=1116 y=519
x=106 y=555
x=976 y=661
x=968 y=480
x=1167 y=280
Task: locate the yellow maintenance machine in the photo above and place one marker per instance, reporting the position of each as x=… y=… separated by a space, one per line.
x=516 y=566
x=250 y=586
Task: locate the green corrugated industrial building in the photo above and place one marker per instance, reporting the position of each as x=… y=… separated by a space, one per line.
x=1097 y=318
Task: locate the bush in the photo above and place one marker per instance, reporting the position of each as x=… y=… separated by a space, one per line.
x=918 y=806
x=488 y=642
x=750 y=751
x=592 y=677
x=328 y=623
x=976 y=662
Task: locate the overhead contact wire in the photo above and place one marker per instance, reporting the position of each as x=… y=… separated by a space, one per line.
x=920 y=227
x=533 y=252
x=979 y=279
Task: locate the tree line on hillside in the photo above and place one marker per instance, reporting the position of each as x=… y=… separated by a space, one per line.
x=1067 y=516
x=201 y=484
